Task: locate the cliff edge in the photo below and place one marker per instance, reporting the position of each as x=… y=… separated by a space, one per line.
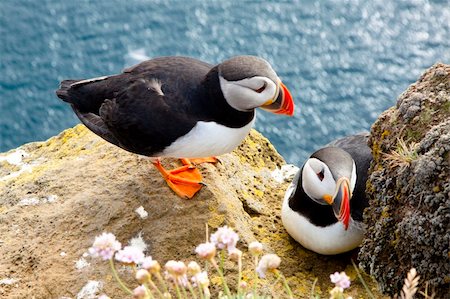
x=57 y=195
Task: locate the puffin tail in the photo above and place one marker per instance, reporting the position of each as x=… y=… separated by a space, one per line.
x=88 y=95
x=63 y=91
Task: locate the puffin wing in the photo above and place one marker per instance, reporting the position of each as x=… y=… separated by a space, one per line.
x=143 y=120
x=356 y=146
x=96 y=124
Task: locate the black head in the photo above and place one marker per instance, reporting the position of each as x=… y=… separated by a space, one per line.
x=328 y=178
x=243 y=67
x=248 y=82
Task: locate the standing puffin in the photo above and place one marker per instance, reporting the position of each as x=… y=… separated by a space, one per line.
x=178 y=107
x=323 y=207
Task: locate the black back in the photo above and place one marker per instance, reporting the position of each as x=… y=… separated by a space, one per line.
x=322 y=215
x=150 y=105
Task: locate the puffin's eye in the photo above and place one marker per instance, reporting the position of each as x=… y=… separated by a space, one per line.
x=261 y=89
x=321 y=175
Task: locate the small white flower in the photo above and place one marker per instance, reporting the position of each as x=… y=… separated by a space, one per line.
x=235 y=254
x=139 y=292
x=142 y=276
x=130 y=254
x=200 y=279
x=336 y=293
x=193 y=268
x=268 y=262
x=151 y=265
x=146 y=262
x=255 y=248
x=206 y=250
x=104 y=246
x=225 y=237
x=103 y=297
x=176 y=272
x=175 y=267
x=340 y=279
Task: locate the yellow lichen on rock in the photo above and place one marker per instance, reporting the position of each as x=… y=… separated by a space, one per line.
x=95 y=187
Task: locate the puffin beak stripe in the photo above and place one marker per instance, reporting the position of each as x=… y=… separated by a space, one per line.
x=282 y=104
x=341 y=202
x=269 y=102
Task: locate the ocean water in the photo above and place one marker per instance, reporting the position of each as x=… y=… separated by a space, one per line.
x=344 y=61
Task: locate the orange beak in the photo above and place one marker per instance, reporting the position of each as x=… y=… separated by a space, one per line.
x=284 y=104
x=341 y=203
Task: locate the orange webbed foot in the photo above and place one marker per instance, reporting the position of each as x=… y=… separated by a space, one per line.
x=185 y=181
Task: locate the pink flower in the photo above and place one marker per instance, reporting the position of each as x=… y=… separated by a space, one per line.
x=206 y=250
x=235 y=254
x=142 y=275
x=225 y=237
x=176 y=272
x=146 y=262
x=200 y=279
x=103 y=297
x=104 y=246
x=130 y=255
x=139 y=292
x=151 y=265
x=268 y=262
x=193 y=268
x=340 y=280
x=255 y=248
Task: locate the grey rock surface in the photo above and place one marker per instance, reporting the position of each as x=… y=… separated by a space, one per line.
x=409 y=188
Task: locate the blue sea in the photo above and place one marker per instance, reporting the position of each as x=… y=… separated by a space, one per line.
x=345 y=62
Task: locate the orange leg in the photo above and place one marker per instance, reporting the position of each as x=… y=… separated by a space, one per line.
x=202 y=160
x=184 y=181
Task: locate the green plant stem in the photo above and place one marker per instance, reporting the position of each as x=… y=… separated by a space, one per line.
x=116 y=276
x=153 y=286
x=162 y=282
x=200 y=291
x=312 y=289
x=363 y=282
x=239 y=276
x=191 y=290
x=178 y=291
x=184 y=292
x=220 y=271
x=286 y=285
x=147 y=289
x=255 y=279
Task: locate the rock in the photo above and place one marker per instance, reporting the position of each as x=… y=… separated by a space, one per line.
x=409 y=187
x=57 y=195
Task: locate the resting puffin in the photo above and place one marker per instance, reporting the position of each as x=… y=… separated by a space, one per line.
x=323 y=206
x=178 y=107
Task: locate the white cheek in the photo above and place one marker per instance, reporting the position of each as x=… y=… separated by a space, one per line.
x=241 y=96
x=313 y=186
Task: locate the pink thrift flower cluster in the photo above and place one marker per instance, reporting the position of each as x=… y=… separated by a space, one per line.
x=341 y=280
x=176 y=272
x=140 y=292
x=206 y=251
x=255 y=248
x=225 y=237
x=105 y=246
x=130 y=255
x=200 y=279
x=268 y=262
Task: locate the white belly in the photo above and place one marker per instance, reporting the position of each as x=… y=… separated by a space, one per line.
x=207 y=139
x=333 y=239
